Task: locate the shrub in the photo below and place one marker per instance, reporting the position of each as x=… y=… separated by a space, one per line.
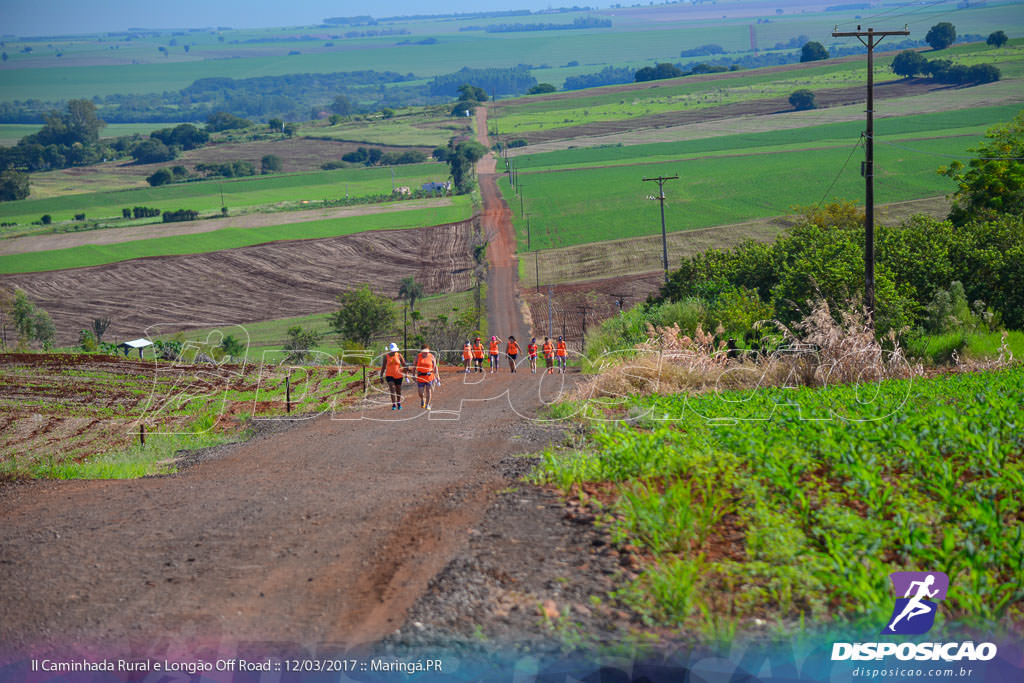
x=802 y=100
x=161 y=176
x=180 y=215
x=46 y=219
x=270 y=163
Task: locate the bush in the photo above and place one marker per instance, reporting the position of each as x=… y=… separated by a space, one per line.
x=908 y=63
x=802 y=100
x=180 y=215
x=46 y=219
x=270 y=163
x=161 y=176
x=941 y=36
x=13 y=185
x=222 y=120
x=813 y=51
x=144 y=212
x=152 y=151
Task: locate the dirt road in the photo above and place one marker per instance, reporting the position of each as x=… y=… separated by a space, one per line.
x=315 y=537
x=504 y=311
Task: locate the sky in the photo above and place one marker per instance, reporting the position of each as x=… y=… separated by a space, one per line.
x=62 y=17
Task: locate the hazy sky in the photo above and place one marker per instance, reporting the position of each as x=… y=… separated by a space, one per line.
x=54 y=17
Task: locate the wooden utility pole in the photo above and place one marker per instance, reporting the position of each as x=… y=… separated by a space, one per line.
x=661 y=198
x=869 y=39
x=583 y=335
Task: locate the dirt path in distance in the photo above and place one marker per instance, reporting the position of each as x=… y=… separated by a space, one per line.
x=504 y=308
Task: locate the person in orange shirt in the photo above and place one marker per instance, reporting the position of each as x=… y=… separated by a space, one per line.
x=392 y=368
x=560 y=354
x=493 y=352
x=531 y=351
x=426 y=373
x=549 y=354
x=478 y=355
x=467 y=356
x=513 y=351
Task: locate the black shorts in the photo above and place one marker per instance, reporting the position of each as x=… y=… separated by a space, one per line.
x=513 y=356
x=397 y=381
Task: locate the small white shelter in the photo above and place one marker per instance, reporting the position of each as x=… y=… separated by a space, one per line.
x=139 y=344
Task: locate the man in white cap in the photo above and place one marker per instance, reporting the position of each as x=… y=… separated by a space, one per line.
x=392 y=368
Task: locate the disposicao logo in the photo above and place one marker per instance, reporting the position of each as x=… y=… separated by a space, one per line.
x=914 y=613
x=917 y=595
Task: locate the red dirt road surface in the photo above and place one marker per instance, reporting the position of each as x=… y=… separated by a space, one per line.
x=323 y=534
x=318 y=537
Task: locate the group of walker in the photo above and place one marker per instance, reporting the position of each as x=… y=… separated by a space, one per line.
x=425 y=369
x=554 y=354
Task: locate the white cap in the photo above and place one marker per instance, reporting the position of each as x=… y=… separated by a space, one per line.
x=392 y=346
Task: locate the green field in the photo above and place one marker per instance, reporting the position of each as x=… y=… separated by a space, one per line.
x=793 y=505
x=415 y=126
x=600 y=105
x=239 y=193
x=232 y=238
x=942 y=124
x=99 y=65
x=590 y=204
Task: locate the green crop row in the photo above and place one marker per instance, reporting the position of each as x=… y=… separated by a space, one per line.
x=594 y=204
x=206 y=196
x=792 y=506
x=941 y=124
x=232 y=238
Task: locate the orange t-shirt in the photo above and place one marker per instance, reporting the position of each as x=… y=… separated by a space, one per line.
x=494 y=348
x=549 y=350
x=478 y=351
x=513 y=348
x=561 y=352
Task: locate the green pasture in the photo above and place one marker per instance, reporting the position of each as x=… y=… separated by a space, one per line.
x=599 y=105
x=239 y=193
x=793 y=505
x=430 y=126
x=584 y=205
x=231 y=238
x=973 y=121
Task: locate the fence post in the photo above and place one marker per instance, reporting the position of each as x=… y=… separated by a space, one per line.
x=364 y=381
x=142 y=434
x=288 y=392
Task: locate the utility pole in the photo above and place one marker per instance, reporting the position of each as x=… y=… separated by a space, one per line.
x=661 y=198
x=869 y=39
x=583 y=335
x=536 y=271
x=405 y=335
x=620 y=299
x=550 y=331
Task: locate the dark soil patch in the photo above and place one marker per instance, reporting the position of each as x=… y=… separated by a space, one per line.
x=524 y=583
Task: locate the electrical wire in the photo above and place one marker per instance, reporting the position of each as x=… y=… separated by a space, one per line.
x=898 y=8
x=843 y=168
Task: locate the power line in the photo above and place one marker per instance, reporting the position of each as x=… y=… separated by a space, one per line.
x=843 y=168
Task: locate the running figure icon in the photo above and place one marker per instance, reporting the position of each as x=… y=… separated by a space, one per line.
x=917 y=595
x=915 y=607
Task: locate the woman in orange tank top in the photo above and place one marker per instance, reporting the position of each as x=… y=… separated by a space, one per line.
x=512 y=350
x=392 y=368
